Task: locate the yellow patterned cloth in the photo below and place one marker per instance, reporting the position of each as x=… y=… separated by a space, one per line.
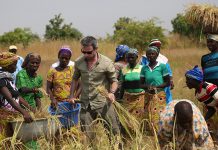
x=61 y=82
x=7 y=58
x=134 y=103
x=199 y=137
x=154 y=105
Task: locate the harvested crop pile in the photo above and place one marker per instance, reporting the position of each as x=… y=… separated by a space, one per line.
x=203 y=15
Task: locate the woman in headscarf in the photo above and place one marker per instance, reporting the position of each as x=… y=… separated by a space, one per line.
x=207 y=93
x=133 y=98
x=28 y=82
x=9 y=95
x=154 y=78
x=120 y=62
x=59 y=78
x=162 y=59
x=209 y=62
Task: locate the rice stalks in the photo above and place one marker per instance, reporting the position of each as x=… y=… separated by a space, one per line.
x=128 y=121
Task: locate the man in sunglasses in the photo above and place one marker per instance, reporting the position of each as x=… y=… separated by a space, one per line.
x=95 y=70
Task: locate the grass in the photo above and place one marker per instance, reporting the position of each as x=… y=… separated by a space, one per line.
x=180 y=59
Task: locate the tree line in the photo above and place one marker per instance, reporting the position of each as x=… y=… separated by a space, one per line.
x=126 y=31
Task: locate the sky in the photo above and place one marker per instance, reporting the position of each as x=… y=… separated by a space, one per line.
x=91 y=17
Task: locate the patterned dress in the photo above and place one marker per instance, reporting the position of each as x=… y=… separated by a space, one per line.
x=61 y=82
x=154 y=103
x=199 y=137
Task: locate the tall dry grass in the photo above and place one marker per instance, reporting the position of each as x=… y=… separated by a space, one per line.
x=180 y=59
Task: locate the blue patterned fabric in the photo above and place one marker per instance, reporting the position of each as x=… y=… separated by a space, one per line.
x=195 y=73
x=121 y=50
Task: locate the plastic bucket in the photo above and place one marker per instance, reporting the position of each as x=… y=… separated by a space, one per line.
x=69 y=113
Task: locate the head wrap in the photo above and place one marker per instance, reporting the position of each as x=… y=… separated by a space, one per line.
x=155 y=42
x=153 y=48
x=65 y=49
x=195 y=73
x=212 y=37
x=7 y=58
x=121 y=51
x=133 y=51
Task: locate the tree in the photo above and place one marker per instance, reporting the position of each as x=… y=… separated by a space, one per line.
x=137 y=34
x=181 y=26
x=23 y=36
x=56 y=29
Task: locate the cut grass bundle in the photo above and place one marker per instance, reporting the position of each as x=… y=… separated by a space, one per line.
x=203 y=15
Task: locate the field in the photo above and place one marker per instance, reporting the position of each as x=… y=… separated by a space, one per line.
x=181 y=59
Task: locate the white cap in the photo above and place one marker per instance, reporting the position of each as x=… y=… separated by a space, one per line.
x=12 y=47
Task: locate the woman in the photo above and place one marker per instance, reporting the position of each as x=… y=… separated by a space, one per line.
x=154 y=78
x=59 y=78
x=28 y=82
x=130 y=79
x=9 y=95
x=162 y=59
x=120 y=62
x=209 y=62
x=207 y=93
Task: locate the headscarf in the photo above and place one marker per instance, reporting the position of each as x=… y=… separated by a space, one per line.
x=133 y=51
x=212 y=37
x=7 y=58
x=65 y=49
x=195 y=73
x=121 y=51
x=155 y=42
x=153 y=48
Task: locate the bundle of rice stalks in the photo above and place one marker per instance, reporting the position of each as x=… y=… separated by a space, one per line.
x=128 y=121
x=204 y=15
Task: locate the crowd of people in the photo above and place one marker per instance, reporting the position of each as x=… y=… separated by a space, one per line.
x=142 y=85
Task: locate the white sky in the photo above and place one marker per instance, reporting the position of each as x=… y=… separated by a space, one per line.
x=91 y=17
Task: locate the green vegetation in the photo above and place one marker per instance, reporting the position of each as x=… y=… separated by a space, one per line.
x=18 y=36
x=57 y=30
x=183 y=27
x=137 y=34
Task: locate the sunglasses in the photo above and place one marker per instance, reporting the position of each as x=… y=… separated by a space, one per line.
x=86 y=52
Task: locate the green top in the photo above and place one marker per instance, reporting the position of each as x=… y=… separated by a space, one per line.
x=102 y=74
x=131 y=76
x=24 y=80
x=154 y=77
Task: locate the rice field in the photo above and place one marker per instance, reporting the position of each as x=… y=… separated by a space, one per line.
x=181 y=59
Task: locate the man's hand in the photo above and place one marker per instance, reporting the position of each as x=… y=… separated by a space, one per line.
x=111 y=97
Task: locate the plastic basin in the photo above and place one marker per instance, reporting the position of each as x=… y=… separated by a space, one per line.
x=69 y=113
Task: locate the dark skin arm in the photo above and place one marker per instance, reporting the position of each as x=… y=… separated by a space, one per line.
x=38 y=103
x=25 y=104
x=73 y=95
x=54 y=102
x=7 y=95
x=78 y=89
x=150 y=87
x=210 y=112
x=28 y=90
